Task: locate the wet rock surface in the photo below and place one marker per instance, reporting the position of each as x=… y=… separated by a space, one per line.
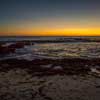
x=17 y=84
x=7 y=48
x=70 y=66
x=47 y=79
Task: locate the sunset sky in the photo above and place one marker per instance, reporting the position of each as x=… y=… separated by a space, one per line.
x=49 y=17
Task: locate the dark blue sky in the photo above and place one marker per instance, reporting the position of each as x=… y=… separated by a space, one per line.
x=19 y=11
x=26 y=9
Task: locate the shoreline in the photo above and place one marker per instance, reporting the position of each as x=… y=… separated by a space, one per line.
x=51 y=66
x=46 y=79
x=39 y=77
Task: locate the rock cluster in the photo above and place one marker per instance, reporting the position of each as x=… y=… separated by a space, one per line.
x=6 y=50
x=49 y=67
x=12 y=47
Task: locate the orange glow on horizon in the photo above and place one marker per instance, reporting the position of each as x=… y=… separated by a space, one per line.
x=52 y=27
x=55 y=32
x=49 y=31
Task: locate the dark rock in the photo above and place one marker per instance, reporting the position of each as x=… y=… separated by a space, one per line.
x=6 y=50
x=63 y=66
x=17 y=45
x=98 y=86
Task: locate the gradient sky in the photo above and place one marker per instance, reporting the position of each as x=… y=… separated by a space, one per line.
x=50 y=17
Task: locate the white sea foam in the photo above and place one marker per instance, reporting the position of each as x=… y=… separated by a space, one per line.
x=57 y=51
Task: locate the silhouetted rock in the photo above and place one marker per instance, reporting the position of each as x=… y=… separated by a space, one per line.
x=6 y=50
x=17 y=45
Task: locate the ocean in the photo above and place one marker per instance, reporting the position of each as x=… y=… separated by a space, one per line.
x=21 y=38
x=53 y=47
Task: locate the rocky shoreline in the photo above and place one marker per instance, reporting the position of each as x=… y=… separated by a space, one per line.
x=68 y=66
x=7 y=48
x=71 y=78
x=48 y=79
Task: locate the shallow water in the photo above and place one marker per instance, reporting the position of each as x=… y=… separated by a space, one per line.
x=57 y=50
